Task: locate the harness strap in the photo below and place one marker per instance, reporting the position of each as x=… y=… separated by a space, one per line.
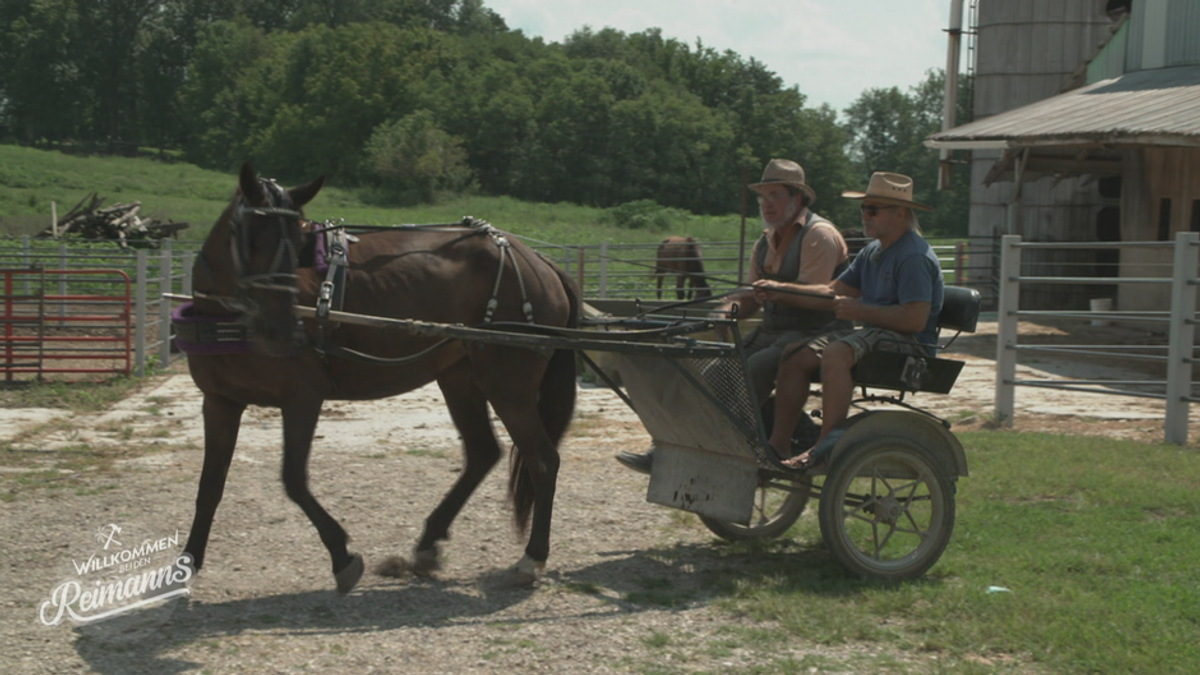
x=505 y=252
x=332 y=293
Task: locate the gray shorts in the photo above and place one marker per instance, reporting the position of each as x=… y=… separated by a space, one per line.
x=863 y=340
x=764 y=350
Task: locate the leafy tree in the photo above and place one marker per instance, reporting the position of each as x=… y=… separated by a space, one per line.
x=109 y=65
x=217 y=110
x=413 y=157
x=888 y=129
x=42 y=92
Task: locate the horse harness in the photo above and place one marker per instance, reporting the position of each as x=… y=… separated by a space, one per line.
x=329 y=249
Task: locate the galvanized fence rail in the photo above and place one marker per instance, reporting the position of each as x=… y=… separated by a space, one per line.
x=627 y=271
x=607 y=270
x=1179 y=318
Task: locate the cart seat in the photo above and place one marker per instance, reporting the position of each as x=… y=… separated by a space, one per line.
x=906 y=373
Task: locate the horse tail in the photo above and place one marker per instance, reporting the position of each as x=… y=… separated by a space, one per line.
x=556 y=405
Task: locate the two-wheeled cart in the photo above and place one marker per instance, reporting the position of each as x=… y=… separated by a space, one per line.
x=887 y=493
x=887 y=490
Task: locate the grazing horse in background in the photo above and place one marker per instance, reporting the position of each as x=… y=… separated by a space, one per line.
x=249 y=270
x=681 y=256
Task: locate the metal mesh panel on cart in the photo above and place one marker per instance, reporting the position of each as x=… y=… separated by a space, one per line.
x=726 y=381
x=696 y=402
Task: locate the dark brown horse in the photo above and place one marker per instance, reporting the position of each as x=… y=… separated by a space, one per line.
x=446 y=274
x=681 y=256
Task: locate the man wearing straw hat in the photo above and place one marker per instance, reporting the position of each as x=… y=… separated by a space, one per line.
x=893 y=289
x=797 y=248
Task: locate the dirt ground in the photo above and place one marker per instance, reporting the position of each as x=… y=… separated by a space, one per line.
x=264 y=603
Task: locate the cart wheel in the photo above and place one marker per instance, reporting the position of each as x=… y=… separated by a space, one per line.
x=776 y=507
x=887 y=509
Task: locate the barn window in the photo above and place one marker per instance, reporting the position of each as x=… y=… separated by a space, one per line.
x=1164 y=219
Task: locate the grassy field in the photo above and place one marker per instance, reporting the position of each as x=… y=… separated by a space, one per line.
x=1071 y=555
x=31 y=179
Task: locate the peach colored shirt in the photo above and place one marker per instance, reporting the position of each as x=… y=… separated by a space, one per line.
x=824 y=249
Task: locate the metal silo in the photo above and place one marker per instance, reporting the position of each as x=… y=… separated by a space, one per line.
x=1026 y=51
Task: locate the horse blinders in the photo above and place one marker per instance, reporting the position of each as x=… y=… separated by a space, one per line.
x=280 y=276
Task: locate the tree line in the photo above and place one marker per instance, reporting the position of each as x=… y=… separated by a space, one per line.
x=409 y=99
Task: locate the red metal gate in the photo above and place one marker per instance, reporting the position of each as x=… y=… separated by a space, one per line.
x=83 y=328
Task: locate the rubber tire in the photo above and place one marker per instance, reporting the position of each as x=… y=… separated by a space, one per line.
x=857 y=462
x=767 y=522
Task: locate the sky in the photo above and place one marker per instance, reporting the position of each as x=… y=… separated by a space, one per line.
x=833 y=50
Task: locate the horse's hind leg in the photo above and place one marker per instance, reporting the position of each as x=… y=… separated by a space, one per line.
x=222 y=419
x=535 y=474
x=468 y=409
x=299 y=423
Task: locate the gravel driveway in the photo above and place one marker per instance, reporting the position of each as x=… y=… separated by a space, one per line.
x=629 y=586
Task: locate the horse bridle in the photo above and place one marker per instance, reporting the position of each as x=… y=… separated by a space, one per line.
x=281 y=274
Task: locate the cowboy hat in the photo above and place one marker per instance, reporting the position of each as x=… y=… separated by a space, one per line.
x=785 y=172
x=889 y=188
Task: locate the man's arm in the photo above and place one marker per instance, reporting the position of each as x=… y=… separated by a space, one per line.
x=823 y=250
x=746 y=303
x=907 y=318
x=916 y=275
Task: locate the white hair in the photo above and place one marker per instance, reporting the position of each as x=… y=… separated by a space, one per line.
x=913 y=223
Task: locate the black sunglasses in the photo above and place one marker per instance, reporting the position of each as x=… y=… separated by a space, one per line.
x=873 y=210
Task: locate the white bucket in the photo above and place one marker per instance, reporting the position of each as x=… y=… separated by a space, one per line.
x=1101 y=305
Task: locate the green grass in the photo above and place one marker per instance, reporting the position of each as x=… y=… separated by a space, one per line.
x=30 y=179
x=75 y=396
x=1097 y=540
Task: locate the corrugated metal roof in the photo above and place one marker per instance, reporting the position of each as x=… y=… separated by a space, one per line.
x=1160 y=107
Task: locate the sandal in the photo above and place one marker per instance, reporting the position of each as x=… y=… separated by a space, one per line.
x=817 y=456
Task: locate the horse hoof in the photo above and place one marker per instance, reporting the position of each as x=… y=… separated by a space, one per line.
x=427 y=561
x=348 y=578
x=526 y=571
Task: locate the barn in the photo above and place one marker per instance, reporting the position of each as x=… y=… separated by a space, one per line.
x=1086 y=128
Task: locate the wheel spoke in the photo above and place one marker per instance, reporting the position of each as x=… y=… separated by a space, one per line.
x=881 y=545
x=888 y=509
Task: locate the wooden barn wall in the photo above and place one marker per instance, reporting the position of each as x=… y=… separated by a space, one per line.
x=1148 y=177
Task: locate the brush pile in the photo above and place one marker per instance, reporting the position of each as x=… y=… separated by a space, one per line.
x=119 y=223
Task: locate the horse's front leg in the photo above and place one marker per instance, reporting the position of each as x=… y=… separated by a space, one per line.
x=299 y=424
x=222 y=419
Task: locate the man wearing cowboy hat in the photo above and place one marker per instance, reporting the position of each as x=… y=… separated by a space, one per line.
x=798 y=248
x=893 y=289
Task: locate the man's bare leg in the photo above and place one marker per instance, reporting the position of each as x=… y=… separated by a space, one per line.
x=837 y=388
x=791 y=393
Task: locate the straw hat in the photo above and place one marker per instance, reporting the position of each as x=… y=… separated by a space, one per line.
x=889 y=188
x=785 y=172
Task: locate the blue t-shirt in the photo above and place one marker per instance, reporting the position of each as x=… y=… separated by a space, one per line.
x=907 y=271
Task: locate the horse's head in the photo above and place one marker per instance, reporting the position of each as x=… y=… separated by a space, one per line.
x=264 y=242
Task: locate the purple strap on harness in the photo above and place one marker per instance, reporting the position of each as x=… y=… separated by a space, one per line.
x=183 y=315
x=322 y=261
